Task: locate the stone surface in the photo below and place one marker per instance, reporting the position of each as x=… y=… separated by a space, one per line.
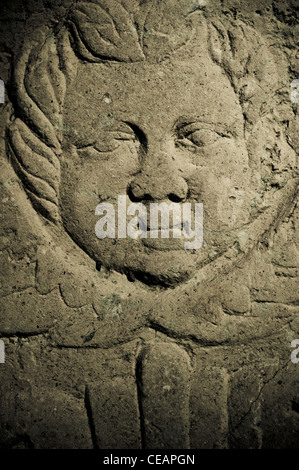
x=209 y=417
x=142 y=343
x=115 y=408
x=164 y=385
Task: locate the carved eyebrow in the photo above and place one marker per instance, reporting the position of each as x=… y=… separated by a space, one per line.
x=121 y=128
x=184 y=121
x=186 y=124
x=189 y=127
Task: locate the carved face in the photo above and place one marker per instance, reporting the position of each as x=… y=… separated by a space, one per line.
x=171 y=132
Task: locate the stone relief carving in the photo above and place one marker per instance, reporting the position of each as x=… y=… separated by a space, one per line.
x=164 y=102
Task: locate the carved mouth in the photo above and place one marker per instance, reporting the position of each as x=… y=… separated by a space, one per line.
x=164 y=244
x=168 y=242
x=164 y=228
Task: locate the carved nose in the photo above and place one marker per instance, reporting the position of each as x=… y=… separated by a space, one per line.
x=158 y=180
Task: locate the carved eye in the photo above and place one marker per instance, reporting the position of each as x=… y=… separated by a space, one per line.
x=110 y=140
x=203 y=137
x=124 y=132
x=195 y=135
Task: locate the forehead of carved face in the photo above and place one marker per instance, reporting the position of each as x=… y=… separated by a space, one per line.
x=171 y=132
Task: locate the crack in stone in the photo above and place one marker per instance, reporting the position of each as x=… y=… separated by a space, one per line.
x=90 y=419
x=258 y=395
x=139 y=385
x=23 y=335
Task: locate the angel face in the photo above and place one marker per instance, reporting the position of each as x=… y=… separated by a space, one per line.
x=169 y=132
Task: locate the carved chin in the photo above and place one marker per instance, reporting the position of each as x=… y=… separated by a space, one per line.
x=165 y=267
x=160 y=271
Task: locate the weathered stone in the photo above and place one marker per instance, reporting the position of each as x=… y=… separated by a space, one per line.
x=164 y=383
x=209 y=409
x=144 y=342
x=115 y=407
x=279 y=416
x=245 y=405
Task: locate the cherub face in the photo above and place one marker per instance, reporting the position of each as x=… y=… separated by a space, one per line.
x=172 y=132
